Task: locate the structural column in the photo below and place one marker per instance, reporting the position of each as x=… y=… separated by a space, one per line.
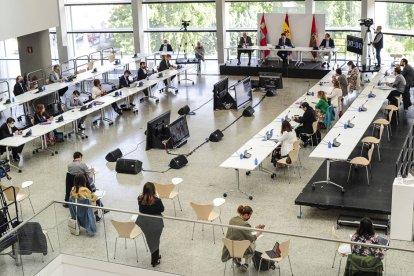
x=61 y=34
x=221 y=30
x=309 y=6
x=138 y=25
x=367 y=11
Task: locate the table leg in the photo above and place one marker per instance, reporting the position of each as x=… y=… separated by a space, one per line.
x=238 y=187
x=328 y=180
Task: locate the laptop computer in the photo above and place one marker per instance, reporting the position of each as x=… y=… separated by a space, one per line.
x=28 y=133
x=275 y=252
x=134 y=84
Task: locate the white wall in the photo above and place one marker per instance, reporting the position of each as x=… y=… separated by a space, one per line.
x=21 y=17
x=300 y=27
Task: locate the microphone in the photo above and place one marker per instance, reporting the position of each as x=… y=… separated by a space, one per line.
x=370 y=94
x=363 y=108
x=350 y=125
x=287 y=117
x=335 y=143
x=246 y=154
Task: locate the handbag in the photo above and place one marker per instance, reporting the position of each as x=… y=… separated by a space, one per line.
x=73 y=224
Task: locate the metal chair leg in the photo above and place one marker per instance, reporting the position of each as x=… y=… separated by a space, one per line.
x=379 y=152
x=48 y=238
x=297 y=167
x=214 y=236
x=366 y=168
x=32 y=205
x=222 y=229
x=289 y=265
x=192 y=237
x=339 y=269
x=136 y=250
x=145 y=243
x=333 y=263
x=349 y=173
x=289 y=172
x=179 y=202
x=116 y=239
x=175 y=212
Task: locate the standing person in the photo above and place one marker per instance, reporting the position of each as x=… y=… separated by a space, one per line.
x=19 y=88
x=8 y=129
x=366 y=234
x=283 y=42
x=165 y=65
x=166 y=47
x=234 y=234
x=150 y=204
x=353 y=75
x=378 y=44
x=74 y=102
x=399 y=85
x=199 y=51
x=343 y=83
x=97 y=91
x=306 y=120
x=407 y=72
x=56 y=76
x=244 y=42
x=327 y=43
x=125 y=82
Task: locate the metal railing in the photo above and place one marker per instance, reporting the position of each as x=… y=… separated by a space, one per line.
x=6 y=83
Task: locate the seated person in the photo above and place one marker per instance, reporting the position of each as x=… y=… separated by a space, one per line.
x=165 y=47
x=19 y=88
x=327 y=43
x=80 y=191
x=199 y=51
x=286 y=142
x=284 y=41
x=41 y=116
x=322 y=104
x=366 y=234
x=244 y=42
x=245 y=212
x=8 y=130
x=125 y=82
x=399 y=85
x=97 y=91
x=144 y=73
x=73 y=102
x=56 y=76
x=336 y=93
x=306 y=120
x=165 y=65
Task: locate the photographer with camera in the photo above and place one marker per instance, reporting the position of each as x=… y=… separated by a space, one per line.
x=166 y=47
x=378 y=44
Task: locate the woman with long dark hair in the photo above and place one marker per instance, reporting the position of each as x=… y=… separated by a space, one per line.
x=287 y=138
x=366 y=234
x=150 y=204
x=80 y=191
x=306 y=120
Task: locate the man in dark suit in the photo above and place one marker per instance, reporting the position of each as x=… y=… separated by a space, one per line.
x=244 y=42
x=19 y=87
x=165 y=47
x=408 y=74
x=125 y=82
x=378 y=44
x=284 y=42
x=165 y=65
x=327 y=43
x=143 y=73
x=8 y=130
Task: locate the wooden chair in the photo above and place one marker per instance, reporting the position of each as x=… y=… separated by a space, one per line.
x=284 y=253
x=81 y=71
x=205 y=213
x=128 y=230
x=315 y=130
x=386 y=123
x=394 y=109
x=339 y=249
x=373 y=140
x=111 y=58
x=14 y=194
x=294 y=157
x=90 y=65
x=166 y=191
x=362 y=162
x=236 y=250
x=296 y=145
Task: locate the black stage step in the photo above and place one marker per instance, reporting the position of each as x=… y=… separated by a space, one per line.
x=311 y=70
x=359 y=196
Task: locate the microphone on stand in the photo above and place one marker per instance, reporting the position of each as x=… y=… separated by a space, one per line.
x=363 y=108
x=335 y=143
x=287 y=117
x=350 y=125
x=246 y=154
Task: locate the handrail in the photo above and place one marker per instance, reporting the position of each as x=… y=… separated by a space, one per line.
x=73 y=61
x=36 y=81
x=100 y=56
x=77 y=62
x=206 y=223
x=8 y=88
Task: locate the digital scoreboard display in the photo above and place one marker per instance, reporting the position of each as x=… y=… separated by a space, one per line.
x=354 y=44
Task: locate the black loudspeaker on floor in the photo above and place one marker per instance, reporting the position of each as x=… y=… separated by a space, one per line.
x=128 y=166
x=113 y=155
x=178 y=162
x=216 y=136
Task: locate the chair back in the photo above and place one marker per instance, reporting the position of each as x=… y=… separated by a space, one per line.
x=90 y=65
x=370 y=151
x=124 y=229
x=202 y=211
x=293 y=154
x=164 y=190
x=111 y=58
x=296 y=144
x=315 y=126
x=284 y=249
x=10 y=192
x=81 y=71
x=236 y=248
x=399 y=99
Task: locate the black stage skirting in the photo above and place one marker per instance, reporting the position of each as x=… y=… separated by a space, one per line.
x=359 y=196
x=311 y=70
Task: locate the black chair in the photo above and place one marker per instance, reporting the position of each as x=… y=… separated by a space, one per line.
x=70 y=178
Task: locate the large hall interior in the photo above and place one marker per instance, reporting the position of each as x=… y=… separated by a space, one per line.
x=206 y=137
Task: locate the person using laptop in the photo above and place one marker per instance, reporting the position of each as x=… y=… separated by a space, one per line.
x=165 y=65
x=125 y=82
x=41 y=116
x=73 y=102
x=8 y=129
x=244 y=42
x=282 y=43
x=366 y=234
x=97 y=91
x=144 y=73
x=244 y=214
x=306 y=121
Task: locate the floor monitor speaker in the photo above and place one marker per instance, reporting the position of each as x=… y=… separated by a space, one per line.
x=113 y=155
x=248 y=112
x=128 y=166
x=178 y=162
x=216 y=136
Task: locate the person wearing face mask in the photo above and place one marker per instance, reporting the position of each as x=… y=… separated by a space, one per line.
x=165 y=47
x=74 y=102
x=124 y=81
x=19 y=87
x=399 y=85
x=8 y=129
x=144 y=73
x=244 y=214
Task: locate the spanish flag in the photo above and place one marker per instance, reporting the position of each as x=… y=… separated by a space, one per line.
x=286 y=28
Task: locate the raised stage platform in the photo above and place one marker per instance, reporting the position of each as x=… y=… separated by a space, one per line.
x=359 y=196
x=310 y=70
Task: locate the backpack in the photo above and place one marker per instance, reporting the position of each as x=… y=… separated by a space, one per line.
x=265 y=265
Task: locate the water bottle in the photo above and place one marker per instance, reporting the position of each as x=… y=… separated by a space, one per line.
x=241 y=156
x=313 y=94
x=400 y=180
x=256 y=162
x=329 y=145
x=13 y=100
x=271 y=133
x=320 y=83
x=120 y=93
x=147 y=78
x=345 y=125
x=94 y=104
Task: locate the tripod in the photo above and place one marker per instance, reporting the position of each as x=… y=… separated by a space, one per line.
x=184 y=45
x=369 y=46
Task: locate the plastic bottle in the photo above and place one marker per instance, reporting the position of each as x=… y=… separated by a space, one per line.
x=241 y=156
x=120 y=92
x=13 y=100
x=345 y=125
x=256 y=162
x=329 y=145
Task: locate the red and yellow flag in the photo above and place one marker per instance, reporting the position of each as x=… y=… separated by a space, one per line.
x=314 y=37
x=286 y=28
x=263 y=35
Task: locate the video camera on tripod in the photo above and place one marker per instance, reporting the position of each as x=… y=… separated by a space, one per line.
x=367 y=22
x=185 y=24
